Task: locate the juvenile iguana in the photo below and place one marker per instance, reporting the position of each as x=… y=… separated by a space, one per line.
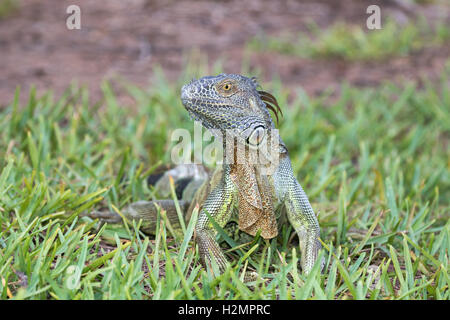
x=256 y=189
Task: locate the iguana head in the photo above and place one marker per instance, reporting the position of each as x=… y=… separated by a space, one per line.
x=230 y=101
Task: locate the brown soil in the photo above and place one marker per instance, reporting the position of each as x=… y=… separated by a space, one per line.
x=128 y=38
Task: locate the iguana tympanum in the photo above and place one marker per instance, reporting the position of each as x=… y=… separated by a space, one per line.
x=255 y=178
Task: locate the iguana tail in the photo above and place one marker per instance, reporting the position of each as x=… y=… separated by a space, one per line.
x=188 y=179
x=147 y=211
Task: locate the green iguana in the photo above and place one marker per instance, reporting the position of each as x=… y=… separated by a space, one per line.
x=256 y=181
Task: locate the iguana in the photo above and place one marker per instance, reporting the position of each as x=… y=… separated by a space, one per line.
x=232 y=106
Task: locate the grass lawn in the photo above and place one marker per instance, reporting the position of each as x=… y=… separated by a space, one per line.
x=374 y=163
x=355 y=42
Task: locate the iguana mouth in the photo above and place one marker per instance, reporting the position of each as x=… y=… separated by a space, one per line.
x=192 y=102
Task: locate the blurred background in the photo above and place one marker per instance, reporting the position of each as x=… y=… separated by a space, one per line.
x=366 y=121
x=315 y=45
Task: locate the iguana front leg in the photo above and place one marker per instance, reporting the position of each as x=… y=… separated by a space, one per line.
x=301 y=216
x=219 y=204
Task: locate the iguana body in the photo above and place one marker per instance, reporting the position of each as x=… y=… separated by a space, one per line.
x=257 y=190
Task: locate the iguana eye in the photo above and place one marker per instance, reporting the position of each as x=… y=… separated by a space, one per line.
x=226 y=88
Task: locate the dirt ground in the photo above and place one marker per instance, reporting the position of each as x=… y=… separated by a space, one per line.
x=128 y=38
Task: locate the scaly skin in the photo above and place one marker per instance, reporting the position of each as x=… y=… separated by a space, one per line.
x=232 y=105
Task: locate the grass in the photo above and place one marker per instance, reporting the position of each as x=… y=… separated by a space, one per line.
x=355 y=42
x=374 y=163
